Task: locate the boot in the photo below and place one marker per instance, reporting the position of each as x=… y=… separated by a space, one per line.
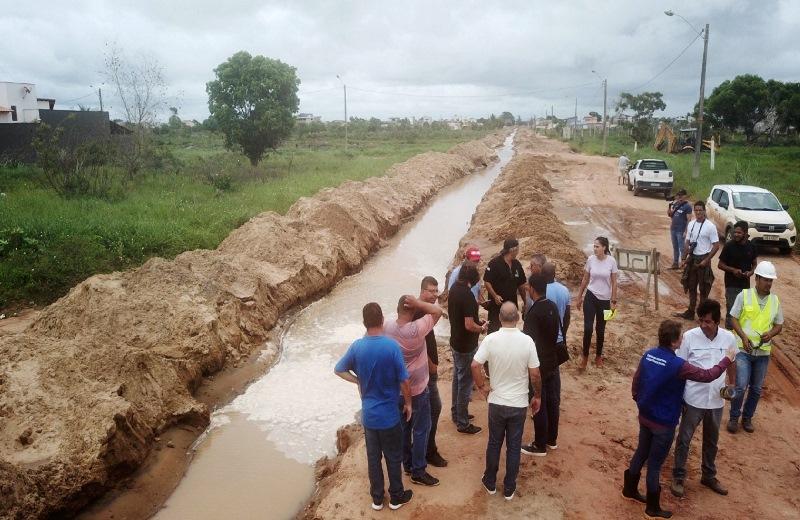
x=630 y=489
x=653 y=509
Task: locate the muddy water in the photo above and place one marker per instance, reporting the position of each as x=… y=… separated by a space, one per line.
x=256 y=459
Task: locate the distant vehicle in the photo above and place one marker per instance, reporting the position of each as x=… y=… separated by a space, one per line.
x=649 y=175
x=768 y=222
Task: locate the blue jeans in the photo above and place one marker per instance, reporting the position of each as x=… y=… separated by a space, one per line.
x=750 y=371
x=653 y=449
x=462 y=387
x=415 y=434
x=386 y=443
x=545 y=422
x=508 y=422
x=677 y=245
x=436 y=410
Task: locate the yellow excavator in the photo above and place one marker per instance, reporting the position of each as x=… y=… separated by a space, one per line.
x=667 y=141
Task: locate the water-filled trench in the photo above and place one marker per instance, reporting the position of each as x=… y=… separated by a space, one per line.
x=256 y=458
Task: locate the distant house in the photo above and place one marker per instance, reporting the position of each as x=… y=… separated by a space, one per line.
x=305 y=119
x=19 y=104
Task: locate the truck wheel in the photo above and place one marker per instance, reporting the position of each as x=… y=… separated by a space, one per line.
x=667 y=194
x=630 y=186
x=636 y=190
x=786 y=250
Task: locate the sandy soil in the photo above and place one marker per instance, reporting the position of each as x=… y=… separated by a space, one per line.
x=598 y=431
x=89 y=384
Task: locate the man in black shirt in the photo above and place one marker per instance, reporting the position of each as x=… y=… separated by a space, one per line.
x=542 y=323
x=738 y=259
x=429 y=293
x=465 y=327
x=504 y=279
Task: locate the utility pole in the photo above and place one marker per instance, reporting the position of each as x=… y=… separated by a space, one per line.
x=100 y=95
x=698 y=145
x=344 y=88
x=605 y=102
x=575 y=124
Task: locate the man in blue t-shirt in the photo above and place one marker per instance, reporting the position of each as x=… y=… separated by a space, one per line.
x=680 y=211
x=375 y=363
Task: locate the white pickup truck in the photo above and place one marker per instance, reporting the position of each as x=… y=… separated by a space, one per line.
x=650 y=175
x=768 y=221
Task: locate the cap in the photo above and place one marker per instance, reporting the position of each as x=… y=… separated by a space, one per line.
x=472 y=254
x=510 y=243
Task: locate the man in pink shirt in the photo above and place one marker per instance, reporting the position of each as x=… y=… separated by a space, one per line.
x=410 y=334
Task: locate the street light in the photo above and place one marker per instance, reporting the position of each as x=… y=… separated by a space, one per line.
x=344 y=86
x=605 y=99
x=698 y=141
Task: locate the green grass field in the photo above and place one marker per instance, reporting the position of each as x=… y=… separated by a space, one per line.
x=48 y=244
x=776 y=168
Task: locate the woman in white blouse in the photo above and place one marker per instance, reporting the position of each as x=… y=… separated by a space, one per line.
x=599 y=286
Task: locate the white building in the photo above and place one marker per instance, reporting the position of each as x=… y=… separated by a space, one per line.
x=19 y=104
x=306 y=119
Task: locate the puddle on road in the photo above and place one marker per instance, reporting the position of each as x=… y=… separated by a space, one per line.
x=288 y=419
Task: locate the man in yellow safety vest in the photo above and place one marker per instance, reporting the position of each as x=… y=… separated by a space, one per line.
x=757 y=318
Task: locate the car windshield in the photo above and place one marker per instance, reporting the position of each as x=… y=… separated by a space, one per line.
x=756 y=201
x=653 y=165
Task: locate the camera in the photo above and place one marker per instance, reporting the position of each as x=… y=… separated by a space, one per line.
x=692 y=245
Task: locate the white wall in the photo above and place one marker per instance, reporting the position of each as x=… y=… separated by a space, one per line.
x=15 y=94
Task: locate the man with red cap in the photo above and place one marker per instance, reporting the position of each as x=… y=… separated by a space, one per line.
x=471 y=254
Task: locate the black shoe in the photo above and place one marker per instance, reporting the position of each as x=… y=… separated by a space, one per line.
x=747 y=425
x=653 y=509
x=470 y=416
x=687 y=315
x=714 y=485
x=630 y=488
x=436 y=460
x=733 y=425
x=395 y=504
x=425 y=479
x=471 y=429
x=534 y=450
x=677 y=487
x=377 y=505
x=489 y=490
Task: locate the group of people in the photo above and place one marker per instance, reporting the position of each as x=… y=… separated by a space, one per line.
x=679 y=384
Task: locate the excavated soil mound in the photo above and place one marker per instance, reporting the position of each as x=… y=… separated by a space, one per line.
x=86 y=388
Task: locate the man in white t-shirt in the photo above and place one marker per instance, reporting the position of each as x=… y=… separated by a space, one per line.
x=702 y=243
x=513 y=361
x=703 y=347
x=624 y=162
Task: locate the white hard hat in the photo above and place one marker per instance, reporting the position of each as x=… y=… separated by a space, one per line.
x=766 y=269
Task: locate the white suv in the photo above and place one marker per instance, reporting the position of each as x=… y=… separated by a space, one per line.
x=769 y=223
x=650 y=175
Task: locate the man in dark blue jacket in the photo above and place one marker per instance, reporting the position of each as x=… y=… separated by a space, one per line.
x=658 y=391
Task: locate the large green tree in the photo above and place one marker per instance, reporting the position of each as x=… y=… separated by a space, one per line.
x=644 y=105
x=253 y=101
x=742 y=102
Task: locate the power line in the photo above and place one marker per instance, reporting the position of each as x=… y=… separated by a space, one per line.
x=78 y=98
x=509 y=94
x=669 y=64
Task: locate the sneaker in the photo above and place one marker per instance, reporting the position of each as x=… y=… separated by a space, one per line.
x=395 y=504
x=508 y=497
x=747 y=425
x=598 y=361
x=489 y=490
x=677 y=487
x=733 y=425
x=714 y=485
x=584 y=362
x=377 y=506
x=425 y=479
x=471 y=429
x=470 y=416
x=687 y=315
x=436 y=460
x=533 y=450
x=553 y=446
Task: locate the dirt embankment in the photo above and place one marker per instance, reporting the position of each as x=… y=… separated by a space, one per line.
x=598 y=428
x=89 y=384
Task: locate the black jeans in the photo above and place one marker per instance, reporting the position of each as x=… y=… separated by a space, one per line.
x=690 y=420
x=436 y=410
x=545 y=422
x=652 y=450
x=508 y=422
x=593 y=315
x=388 y=444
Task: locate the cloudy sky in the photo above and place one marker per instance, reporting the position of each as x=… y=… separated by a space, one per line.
x=407 y=58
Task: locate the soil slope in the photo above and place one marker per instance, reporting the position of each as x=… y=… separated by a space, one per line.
x=86 y=388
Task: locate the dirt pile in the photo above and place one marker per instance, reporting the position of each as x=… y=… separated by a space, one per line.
x=86 y=388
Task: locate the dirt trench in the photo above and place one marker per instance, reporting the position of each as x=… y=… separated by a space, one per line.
x=90 y=383
x=598 y=427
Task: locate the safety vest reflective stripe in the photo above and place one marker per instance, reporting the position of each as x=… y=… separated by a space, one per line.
x=756 y=321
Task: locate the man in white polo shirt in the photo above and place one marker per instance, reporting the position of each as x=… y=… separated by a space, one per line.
x=702 y=243
x=513 y=361
x=703 y=347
